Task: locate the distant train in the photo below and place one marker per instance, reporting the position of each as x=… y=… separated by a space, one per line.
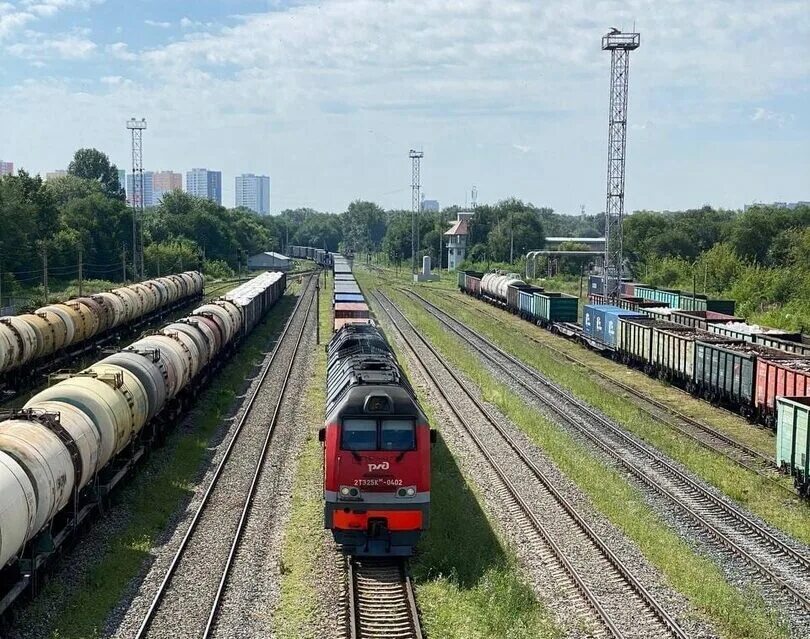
x=319 y=256
x=703 y=349
x=72 y=442
x=376 y=436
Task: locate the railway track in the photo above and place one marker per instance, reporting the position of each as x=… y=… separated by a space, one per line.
x=705 y=435
x=187 y=601
x=590 y=577
x=380 y=602
x=779 y=562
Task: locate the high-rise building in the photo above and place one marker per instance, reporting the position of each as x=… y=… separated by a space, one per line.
x=52 y=175
x=6 y=168
x=430 y=206
x=253 y=192
x=148 y=189
x=122 y=178
x=165 y=182
x=205 y=183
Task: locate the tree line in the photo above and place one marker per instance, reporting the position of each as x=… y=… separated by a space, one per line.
x=759 y=256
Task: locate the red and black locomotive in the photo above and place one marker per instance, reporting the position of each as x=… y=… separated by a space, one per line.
x=376 y=448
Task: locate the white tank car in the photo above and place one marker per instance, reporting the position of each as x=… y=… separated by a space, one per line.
x=495 y=284
x=100 y=410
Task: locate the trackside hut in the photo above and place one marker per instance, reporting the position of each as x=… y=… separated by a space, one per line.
x=269 y=260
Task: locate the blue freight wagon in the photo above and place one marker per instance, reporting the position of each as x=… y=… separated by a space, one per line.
x=349 y=297
x=600 y=324
x=525 y=300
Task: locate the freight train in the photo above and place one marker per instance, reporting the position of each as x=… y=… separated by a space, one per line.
x=32 y=342
x=376 y=440
x=74 y=441
x=687 y=340
x=319 y=256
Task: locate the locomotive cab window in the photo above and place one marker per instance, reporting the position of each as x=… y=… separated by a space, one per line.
x=397 y=434
x=383 y=434
x=359 y=434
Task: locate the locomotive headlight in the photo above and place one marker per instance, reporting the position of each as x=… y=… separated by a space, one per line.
x=408 y=491
x=349 y=492
x=344 y=490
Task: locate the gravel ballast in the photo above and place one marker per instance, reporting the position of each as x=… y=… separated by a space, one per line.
x=185 y=607
x=540 y=573
x=735 y=568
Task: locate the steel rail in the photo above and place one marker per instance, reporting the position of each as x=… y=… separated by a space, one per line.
x=691 y=485
x=645 y=596
x=184 y=543
x=760 y=460
x=243 y=518
x=357 y=614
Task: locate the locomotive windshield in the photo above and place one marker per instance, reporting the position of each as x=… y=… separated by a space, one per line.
x=397 y=434
x=359 y=434
x=373 y=434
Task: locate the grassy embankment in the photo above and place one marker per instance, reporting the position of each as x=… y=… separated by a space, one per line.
x=756 y=493
x=751 y=490
x=467 y=582
x=733 y=612
x=153 y=496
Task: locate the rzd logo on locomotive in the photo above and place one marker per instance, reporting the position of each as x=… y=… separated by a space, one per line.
x=380 y=466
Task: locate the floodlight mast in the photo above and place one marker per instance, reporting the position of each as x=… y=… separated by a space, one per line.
x=136 y=200
x=620 y=45
x=416 y=204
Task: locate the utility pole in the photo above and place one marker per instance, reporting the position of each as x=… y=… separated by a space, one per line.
x=441 y=233
x=511 y=238
x=81 y=273
x=45 y=272
x=124 y=262
x=137 y=127
x=416 y=203
x=620 y=45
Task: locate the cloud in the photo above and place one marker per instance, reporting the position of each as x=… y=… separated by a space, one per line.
x=299 y=81
x=13 y=22
x=762 y=114
x=159 y=25
x=120 y=51
x=65 y=47
x=188 y=23
x=49 y=8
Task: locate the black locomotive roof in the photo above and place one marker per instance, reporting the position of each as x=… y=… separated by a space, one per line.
x=354 y=403
x=361 y=360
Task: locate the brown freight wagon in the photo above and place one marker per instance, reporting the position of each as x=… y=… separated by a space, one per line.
x=780 y=376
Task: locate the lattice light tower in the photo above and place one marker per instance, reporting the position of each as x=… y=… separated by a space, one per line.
x=416 y=203
x=137 y=127
x=620 y=45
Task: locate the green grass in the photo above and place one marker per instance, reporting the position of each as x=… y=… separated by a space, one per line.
x=467 y=584
x=734 y=425
x=779 y=507
x=152 y=496
x=303 y=549
x=734 y=613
